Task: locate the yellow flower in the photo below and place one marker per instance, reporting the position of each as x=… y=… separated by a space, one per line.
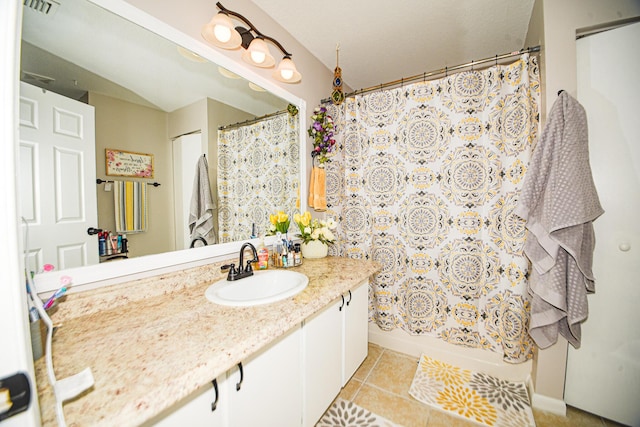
x=305 y=219
x=282 y=217
x=279 y=223
x=313 y=229
x=279 y=217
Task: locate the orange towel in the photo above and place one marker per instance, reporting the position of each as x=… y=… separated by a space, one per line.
x=319 y=191
x=312 y=184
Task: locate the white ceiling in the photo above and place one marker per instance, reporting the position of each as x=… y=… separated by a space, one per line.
x=82 y=47
x=382 y=41
x=379 y=42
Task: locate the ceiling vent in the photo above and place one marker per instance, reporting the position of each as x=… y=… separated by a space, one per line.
x=28 y=76
x=46 y=7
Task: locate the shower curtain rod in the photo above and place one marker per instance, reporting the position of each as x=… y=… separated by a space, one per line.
x=445 y=70
x=251 y=121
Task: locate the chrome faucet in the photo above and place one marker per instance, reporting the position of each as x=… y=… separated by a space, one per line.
x=236 y=274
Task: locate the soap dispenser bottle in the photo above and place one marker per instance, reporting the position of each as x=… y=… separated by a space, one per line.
x=263 y=255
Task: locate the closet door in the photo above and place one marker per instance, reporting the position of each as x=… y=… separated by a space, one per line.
x=603 y=376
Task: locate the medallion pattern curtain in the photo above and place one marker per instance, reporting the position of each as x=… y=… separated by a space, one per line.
x=258 y=175
x=425 y=182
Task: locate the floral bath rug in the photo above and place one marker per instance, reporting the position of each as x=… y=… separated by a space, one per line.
x=473 y=396
x=343 y=413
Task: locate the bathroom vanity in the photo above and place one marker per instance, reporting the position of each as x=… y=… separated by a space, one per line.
x=162 y=354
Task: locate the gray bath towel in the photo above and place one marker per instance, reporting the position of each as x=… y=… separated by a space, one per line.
x=559 y=202
x=202 y=210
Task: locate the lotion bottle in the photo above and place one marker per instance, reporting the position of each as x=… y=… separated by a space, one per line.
x=263 y=255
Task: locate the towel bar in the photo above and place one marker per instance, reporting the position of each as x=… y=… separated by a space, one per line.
x=101 y=181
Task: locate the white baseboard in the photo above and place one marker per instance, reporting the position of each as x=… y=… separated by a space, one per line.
x=549 y=404
x=468 y=358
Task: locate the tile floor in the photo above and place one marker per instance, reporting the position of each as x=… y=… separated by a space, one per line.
x=382 y=383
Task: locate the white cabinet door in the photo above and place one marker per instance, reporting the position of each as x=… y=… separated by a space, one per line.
x=270 y=393
x=335 y=343
x=207 y=407
x=322 y=355
x=355 y=331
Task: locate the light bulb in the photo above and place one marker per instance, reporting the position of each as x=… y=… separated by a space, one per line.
x=222 y=33
x=286 y=74
x=258 y=54
x=258 y=57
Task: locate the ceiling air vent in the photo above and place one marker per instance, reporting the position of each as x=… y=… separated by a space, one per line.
x=46 y=7
x=30 y=77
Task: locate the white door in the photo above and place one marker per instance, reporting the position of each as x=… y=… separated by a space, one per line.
x=603 y=376
x=57 y=178
x=187 y=149
x=15 y=351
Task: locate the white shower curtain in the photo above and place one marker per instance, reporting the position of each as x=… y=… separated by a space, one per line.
x=258 y=174
x=425 y=182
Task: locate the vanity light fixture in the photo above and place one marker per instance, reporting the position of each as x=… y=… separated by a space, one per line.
x=221 y=33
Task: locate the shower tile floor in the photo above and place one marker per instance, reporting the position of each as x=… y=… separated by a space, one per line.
x=382 y=383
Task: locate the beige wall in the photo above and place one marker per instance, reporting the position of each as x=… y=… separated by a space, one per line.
x=125 y=126
x=131 y=127
x=206 y=116
x=188 y=119
x=317 y=79
x=554 y=25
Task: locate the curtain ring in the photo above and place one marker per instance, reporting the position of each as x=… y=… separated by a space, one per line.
x=446 y=71
x=424 y=77
x=472 y=65
x=401 y=82
x=496 y=60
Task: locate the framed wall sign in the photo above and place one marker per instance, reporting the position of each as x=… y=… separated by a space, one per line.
x=128 y=163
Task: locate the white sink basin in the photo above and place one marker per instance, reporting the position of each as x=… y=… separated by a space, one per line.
x=262 y=288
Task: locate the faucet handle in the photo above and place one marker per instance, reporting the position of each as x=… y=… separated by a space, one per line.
x=232 y=271
x=249 y=267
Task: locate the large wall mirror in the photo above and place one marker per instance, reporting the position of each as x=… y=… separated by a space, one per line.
x=145 y=95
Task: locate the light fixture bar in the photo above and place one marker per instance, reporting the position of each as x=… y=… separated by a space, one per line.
x=222 y=32
x=252 y=28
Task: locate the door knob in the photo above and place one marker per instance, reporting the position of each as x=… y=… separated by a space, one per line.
x=91 y=231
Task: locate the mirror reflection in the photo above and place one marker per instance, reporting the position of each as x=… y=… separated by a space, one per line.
x=114 y=87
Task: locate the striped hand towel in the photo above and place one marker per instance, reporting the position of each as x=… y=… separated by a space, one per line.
x=130 y=199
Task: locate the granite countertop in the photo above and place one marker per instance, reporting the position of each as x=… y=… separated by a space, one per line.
x=151 y=342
